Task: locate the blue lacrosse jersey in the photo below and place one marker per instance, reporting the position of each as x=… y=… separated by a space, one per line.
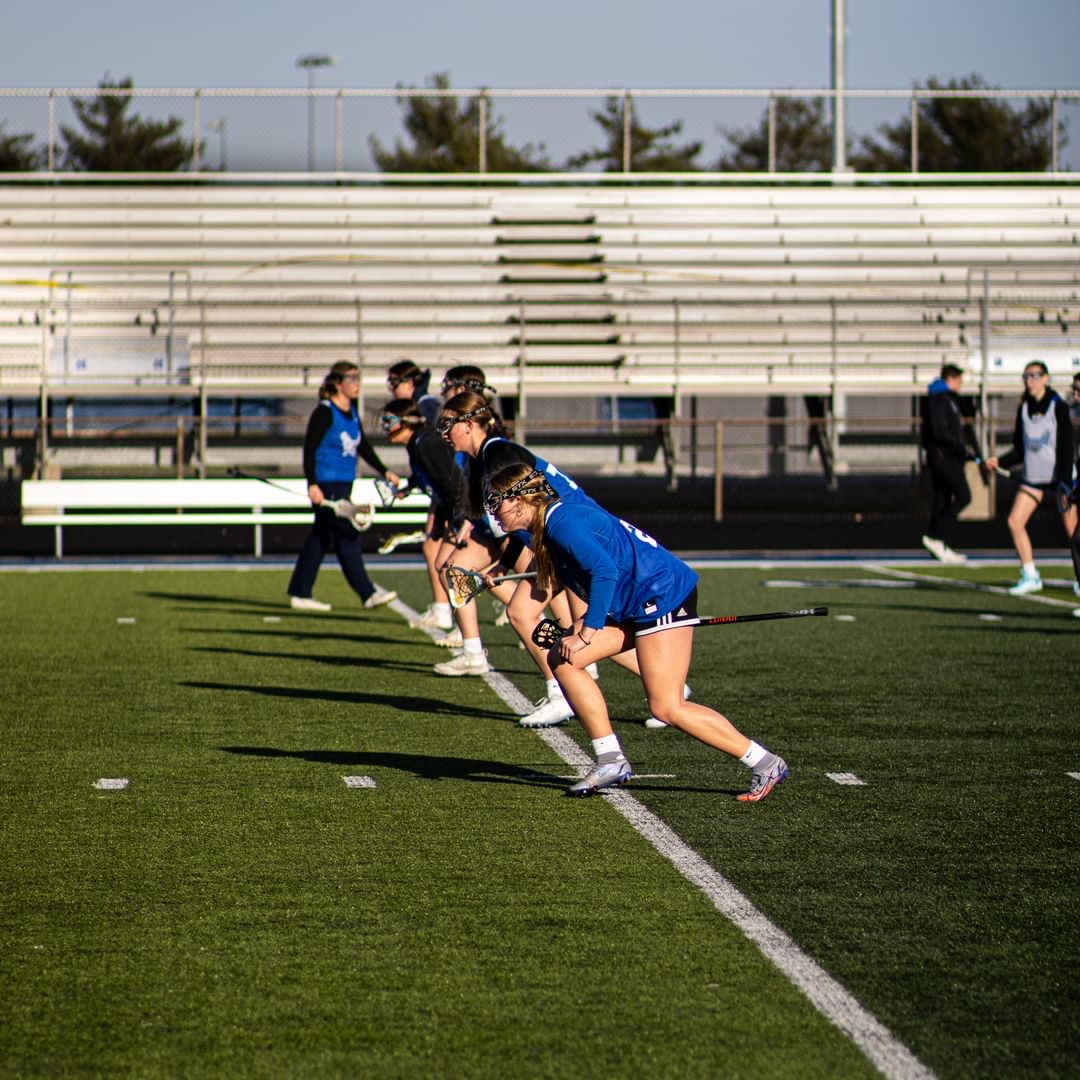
x=335 y=458
x=621 y=572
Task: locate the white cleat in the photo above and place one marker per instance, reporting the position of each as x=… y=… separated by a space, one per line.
x=307 y=603
x=464 y=664
x=549 y=712
x=379 y=597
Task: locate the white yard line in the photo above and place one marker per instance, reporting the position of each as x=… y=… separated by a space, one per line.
x=894 y=1060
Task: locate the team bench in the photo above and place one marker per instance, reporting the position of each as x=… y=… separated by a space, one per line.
x=171 y=503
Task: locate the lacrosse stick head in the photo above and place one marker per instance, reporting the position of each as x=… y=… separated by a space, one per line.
x=386 y=491
x=359 y=517
x=548 y=633
x=462 y=585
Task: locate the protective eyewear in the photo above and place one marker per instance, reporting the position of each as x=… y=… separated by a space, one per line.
x=477 y=386
x=390 y=422
x=1029 y=375
x=533 y=484
x=394 y=381
x=444 y=425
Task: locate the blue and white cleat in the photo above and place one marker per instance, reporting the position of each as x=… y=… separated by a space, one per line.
x=1028 y=583
x=600 y=776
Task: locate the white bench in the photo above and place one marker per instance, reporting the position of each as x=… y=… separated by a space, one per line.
x=172 y=503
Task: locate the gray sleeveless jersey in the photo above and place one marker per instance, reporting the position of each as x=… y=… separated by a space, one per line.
x=1040 y=445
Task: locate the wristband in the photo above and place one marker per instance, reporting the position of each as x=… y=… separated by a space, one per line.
x=582 y=640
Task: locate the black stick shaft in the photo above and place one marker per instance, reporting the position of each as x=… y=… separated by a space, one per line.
x=719 y=620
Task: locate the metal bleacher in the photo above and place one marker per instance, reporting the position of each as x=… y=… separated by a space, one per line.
x=555 y=289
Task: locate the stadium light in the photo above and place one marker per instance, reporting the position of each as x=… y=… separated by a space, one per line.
x=309 y=63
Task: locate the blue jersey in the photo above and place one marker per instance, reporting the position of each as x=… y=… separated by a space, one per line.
x=335 y=456
x=621 y=572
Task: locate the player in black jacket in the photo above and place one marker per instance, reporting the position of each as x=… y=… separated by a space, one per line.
x=948 y=440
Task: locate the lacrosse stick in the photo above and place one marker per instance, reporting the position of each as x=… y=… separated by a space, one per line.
x=548 y=632
x=387 y=492
x=392 y=543
x=463 y=585
x=359 y=517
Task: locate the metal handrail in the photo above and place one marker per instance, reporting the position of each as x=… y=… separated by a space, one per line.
x=486 y=95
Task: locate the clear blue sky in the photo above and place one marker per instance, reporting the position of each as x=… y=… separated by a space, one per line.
x=556 y=43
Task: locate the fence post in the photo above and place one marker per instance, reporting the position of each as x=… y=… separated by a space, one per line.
x=914 y=134
x=718 y=472
x=627 y=126
x=519 y=422
x=196 y=125
x=482 y=125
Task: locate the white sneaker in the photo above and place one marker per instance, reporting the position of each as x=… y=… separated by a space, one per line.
x=653 y=724
x=549 y=712
x=379 y=597
x=430 y=621
x=502 y=616
x=307 y=603
x=935 y=547
x=464 y=664
x=452 y=639
x=953 y=557
x=1076 y=588
x=1076 y=612
x=1028 y=583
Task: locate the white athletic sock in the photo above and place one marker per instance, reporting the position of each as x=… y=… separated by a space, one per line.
x=554 y=690
x=1028 y=569
x=442 y=613
x=754 y=754
x=609 y=744
x=473 y=645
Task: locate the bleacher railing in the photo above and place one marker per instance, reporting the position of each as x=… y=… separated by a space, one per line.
x=48 y=103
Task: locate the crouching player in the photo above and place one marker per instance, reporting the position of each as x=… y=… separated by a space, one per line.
x=633 y=593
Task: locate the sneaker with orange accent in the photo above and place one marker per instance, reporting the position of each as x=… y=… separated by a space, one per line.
x=762 y=782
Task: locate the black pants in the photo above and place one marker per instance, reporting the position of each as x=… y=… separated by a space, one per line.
x=331 y=533
x=950 y=491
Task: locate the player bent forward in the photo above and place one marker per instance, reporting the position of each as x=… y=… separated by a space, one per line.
x=632 y=593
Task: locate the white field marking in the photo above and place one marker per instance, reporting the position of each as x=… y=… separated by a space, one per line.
x=844 y=618
x=848 y=778
x=126 y=620
x=1073 y=775
x=960 y=583
x=892 y=1059
x=989 y=616
x=271 y=618
x=108 y=783
x=359 y=781
x=837 y=583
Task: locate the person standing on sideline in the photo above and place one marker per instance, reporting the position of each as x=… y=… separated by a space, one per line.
x=1074 y=416
x=947 y=439
x=1042 y=442
x=333 y=441
x=626 y=592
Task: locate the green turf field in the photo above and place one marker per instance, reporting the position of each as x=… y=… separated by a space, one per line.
x=239 y=911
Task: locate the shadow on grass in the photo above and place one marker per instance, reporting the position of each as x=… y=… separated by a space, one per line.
x=336 y=660
x=398 y=701
x=422 y=766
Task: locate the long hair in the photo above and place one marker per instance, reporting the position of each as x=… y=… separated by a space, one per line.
x=335 y=377
x=479 y=410
x=538 y=494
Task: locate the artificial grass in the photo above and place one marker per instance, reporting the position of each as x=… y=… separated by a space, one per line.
x=238 y=911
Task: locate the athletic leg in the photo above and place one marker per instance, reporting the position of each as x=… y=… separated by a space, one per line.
x=1024 y=505
x=311 y=555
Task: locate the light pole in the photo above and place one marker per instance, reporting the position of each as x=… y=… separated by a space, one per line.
x=309 y=64
x=218 y=125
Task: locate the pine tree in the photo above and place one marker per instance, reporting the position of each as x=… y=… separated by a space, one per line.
x=965 y=135
x=445 y=138
x=650 y=148
x=18 y=154
x=803 y=140
x=113 y=141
